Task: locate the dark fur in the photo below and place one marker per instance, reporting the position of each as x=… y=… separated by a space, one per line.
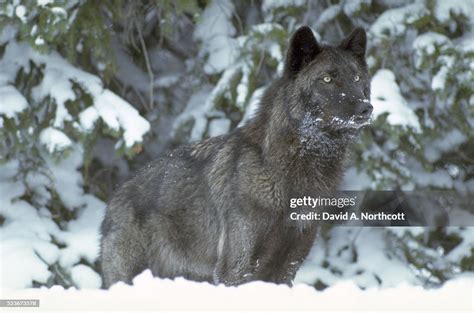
x=217 y=210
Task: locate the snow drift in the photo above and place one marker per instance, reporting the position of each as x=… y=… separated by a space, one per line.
x=148 y=293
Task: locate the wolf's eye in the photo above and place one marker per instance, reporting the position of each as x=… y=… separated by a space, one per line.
x=356 y=78
x=327 y=79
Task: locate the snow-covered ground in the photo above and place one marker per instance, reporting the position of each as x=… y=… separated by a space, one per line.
x=148 y=293
x=363 y=267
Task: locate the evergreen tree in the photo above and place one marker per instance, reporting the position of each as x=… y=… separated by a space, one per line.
x=91 y=90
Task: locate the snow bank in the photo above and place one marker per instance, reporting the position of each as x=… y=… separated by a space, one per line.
x=148 y=293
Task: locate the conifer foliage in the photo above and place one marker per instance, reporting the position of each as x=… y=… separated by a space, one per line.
x=91 y=90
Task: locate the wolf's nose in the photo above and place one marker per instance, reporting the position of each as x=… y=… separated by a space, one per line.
x=364 y=109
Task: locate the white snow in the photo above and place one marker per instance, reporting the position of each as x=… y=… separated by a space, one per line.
x=88 y=118
x=11 y=101
x=448 y=142
x=356 y=180
x=269 y=5
x=39 y=41
x=215 y=31
x=243 y=87
x=439 y=80
x=54 y=140
x=66 y=178
x=386 y=98
x=276 y=53
x=196 y=109
x=166 y=81
x=85 y=278
x=58 y=86
x=218 y=127
x=438 y=178
x=265 y=28
x=464 y=248
x=20 y=12
x=148 y=293
x=201 y=105
x=467 y=45
x=127 y=71
x=59 y=11
x=253 y=105
x=8 y=33
x=427 y=44
x=328 y=15
x=82 y=234
x=352 y=7
x=373 y=260
x=44 y=2
x=26 y=248
x=117 y=113
x=57 y=83
x=428 y=41
x=37 y=183
x=201 y=109
x=392 y=21
x=444 y=8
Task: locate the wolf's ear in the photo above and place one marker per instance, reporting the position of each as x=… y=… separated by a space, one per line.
x=356 y=42
x=303 y=48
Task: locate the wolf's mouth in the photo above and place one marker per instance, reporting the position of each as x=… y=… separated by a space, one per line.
x=364 y=120
x=312 y=124
x=352 y=122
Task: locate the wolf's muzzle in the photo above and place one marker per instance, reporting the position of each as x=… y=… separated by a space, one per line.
x=364 y=109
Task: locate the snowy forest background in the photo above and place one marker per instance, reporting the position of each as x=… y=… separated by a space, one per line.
x=92 y=90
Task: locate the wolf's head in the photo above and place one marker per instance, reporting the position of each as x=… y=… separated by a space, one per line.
x=329 y=86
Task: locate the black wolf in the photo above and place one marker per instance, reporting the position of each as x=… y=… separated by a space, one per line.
x=217 y=210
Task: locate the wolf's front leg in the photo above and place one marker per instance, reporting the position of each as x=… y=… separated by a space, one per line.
x=235 y=264
x=285 y=271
